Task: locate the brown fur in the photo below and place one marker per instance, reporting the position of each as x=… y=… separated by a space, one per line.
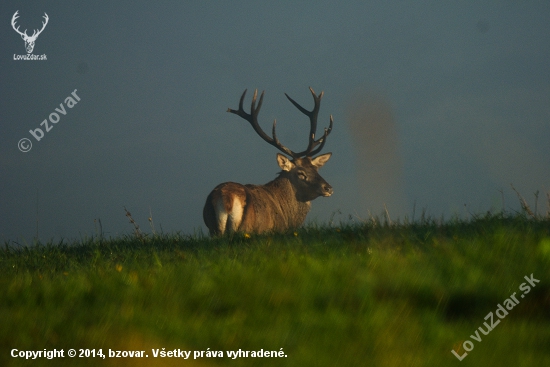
x=277 y=206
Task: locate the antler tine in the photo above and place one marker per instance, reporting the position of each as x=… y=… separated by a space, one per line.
x=240 y=102
x=255 y=110
x=252 y=118
x=313 y=124
x=323 y=139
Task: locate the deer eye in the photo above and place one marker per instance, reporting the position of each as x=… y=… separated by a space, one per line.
x=302 y=175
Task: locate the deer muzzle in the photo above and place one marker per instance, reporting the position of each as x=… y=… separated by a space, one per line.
x=326 y=190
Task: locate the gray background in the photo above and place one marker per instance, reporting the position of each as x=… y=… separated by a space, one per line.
x=437 y=106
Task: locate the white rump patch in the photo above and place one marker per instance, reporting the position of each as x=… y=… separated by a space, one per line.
x=229 y=221
x=221 y=215
x=236 y=215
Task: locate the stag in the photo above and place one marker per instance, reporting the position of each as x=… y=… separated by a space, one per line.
x=283 y=203
x=29 y=40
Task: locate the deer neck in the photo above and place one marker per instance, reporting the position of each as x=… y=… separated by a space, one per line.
x=283 y=185
x=286 y=198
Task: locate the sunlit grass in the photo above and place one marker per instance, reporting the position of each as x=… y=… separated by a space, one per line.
x=349 y=295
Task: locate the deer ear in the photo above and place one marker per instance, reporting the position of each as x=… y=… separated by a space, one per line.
x=284 y=162
x=320 y=160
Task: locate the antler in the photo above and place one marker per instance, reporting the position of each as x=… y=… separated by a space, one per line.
x=252 y=118
x=15 y=16
x=36 y=32
x=313 y=125
x=46 y=18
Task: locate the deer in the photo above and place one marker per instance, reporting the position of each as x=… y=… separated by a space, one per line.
x=283 y=203
x=29 y=40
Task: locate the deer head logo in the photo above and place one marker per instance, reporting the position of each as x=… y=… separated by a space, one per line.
x=29 y=40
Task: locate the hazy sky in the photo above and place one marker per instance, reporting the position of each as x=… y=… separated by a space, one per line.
x=437 y=104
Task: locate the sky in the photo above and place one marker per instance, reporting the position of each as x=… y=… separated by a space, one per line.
x=438 y=107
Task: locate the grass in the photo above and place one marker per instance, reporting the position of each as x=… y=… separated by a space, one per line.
x=369 y=294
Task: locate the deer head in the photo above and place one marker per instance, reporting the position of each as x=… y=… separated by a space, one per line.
x=302 y=169
x=29 y=40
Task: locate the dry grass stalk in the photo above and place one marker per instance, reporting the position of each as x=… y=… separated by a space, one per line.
x=137 y=231
x=388 y=219
x=99 y=234
x=151 y=224
x=524 y=206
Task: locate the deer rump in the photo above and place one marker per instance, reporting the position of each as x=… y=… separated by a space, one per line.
x=233 y=207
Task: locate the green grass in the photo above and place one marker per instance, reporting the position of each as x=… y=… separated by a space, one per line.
x=354 y=295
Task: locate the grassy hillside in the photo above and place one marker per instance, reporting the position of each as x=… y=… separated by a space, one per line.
x=367 y=294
